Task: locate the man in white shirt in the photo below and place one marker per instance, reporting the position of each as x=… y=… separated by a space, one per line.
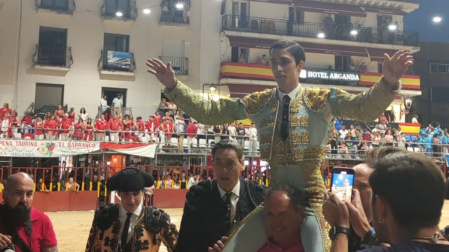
x=193 y=180
x=118 y=101
x=343 y=132
x=232 y=131
x=253 y=139
x=104 y=103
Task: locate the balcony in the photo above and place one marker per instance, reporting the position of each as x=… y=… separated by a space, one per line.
x=53 y=58
x=311 y=30
x=58 y=6
x=179 y=64
x=119 y=10
x=173 y=15
x=116 y=65
x=243 y=78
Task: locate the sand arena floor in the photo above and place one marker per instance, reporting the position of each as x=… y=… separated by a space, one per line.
x=72 y=228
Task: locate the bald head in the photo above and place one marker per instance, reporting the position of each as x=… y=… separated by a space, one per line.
x=361 y=183
x=19 y=190
x=16 y=178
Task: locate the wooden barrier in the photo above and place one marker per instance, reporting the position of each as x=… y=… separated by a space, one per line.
x=65 y=201
x=169 y=198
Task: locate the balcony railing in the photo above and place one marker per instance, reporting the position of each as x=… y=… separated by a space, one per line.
x=117 y=61
x=311 y=30
x=179 y=64
x=66 y=6
x=171 y=14
x=127 y=8
x=59 y=56
x=314 y=75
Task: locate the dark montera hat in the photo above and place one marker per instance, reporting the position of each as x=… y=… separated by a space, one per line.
x=129 y=180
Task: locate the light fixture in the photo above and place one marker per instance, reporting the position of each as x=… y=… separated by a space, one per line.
x=408 y=103
x=119 y=14
x=146 y=11
x=321 y=35
x=179 y=6
x=437 y=19
x=354 y=32
x=212 y=89
x=392 y=27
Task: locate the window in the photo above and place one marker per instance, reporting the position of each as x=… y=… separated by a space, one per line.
x=55 y=4
x=438 y=67
x=116 y=42
x=111 y=7
x=48 y=95
x=439 y=94
x=116 y=54
x=299 y=18
x=52 y=49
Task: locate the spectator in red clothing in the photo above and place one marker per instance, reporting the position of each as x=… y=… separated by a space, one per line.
x=115 y=126
x=191 y=134
x=150 y=128
x=32 y=230
x=101 y=125
x=60 y=111
x=26 y=123
x=140 y=128
x=51 y=127
x=38 y=129
x=5 y=110
x=72 y=114
x=78 y=132
x=14 y=125
x=127 y=127
x=65 y=127
x=89 y=130
x=167 y=128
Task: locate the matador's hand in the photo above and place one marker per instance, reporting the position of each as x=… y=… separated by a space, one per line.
x=394 y=67
x=164 y=73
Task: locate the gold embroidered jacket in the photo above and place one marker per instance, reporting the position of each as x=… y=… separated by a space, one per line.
x=152 y=229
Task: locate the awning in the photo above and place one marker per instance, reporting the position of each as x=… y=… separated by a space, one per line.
x=338 y=50
x=135 y=149
x=240 y=90
x=330 y=8
x=377 y=54
x=384 y=11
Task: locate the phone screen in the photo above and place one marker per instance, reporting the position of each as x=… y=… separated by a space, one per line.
x=342 y=183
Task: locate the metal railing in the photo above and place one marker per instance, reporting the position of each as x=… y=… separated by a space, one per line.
x=118 y=65
x=179 y=64
x=66 y=6
x=110 y=8
x=309 y=29
x=59 y=56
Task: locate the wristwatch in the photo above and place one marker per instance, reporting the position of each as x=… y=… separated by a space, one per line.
x=336 y=230
x=370 y=239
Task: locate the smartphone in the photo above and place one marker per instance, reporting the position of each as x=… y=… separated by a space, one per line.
x=342 y=182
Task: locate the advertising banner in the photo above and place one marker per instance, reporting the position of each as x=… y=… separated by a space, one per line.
x=32 y=148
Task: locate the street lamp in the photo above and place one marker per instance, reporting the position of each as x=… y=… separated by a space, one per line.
x=146 y=11
x=321 y=35
x=437 y=19
x=119 y=14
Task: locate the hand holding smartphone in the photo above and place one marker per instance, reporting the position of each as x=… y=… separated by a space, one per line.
x=342 y=182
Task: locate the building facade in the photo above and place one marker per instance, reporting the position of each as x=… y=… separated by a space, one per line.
x=73 y=51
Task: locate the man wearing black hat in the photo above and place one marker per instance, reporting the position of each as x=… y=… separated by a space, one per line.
x=214 y=207
x=129 y=225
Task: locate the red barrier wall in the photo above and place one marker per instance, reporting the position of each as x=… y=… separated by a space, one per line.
x=169 y=198
x=65 y=201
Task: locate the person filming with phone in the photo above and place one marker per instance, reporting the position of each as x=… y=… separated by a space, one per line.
x=400 y=182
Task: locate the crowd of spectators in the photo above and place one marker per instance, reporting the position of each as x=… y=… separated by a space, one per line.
x=167 y=123
x=354 y=141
